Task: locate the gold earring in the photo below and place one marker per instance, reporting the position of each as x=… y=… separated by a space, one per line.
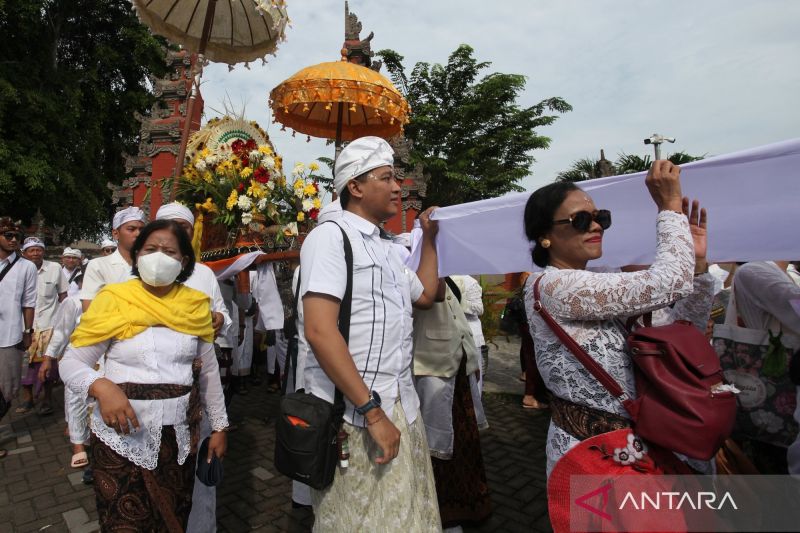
x=545 y=243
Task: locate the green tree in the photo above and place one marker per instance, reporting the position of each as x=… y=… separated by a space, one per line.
x=472 y=137
x=586 y=168
x=72 y=74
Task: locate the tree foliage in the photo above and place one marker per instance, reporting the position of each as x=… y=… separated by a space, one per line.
x=587 y=168
x=72 y=74
x=471 y=136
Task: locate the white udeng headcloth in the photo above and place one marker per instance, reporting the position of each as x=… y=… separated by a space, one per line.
x=72 y=252
x=126 y=215
x=175 y=210
x=360 y=156
x=30 y=242
x=108 y=243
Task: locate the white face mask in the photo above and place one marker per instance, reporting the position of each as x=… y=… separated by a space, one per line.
x=158 y=269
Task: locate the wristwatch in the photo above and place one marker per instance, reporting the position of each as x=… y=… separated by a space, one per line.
x=374 y=401
x=28 y=331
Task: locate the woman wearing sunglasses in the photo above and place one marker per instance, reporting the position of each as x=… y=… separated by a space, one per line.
x=566 y=230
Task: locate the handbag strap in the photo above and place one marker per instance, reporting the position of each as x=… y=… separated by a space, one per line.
x=8 y=266
x=291 y=361
x=453 y=287
x=345 y=310
x=585 y=359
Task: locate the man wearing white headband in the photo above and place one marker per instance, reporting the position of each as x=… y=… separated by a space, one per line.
x=71 y=267
x=114 y=268
x=203 y=278
x=204 y=498
x=17 y=306
x=373 y=370
x=108 y=246
x=51 y=289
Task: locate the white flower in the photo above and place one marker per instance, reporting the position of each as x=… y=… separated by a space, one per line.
x=298 y=193
x=635 y=446
x=245 y=203
x=200 y=166
x=769 y=422
x=262 y=204
x=291 y=228
x=254 y=155
x=247 y=217
x=623 y=456
x=269 y=162
x=271 y=185
x=299 y=167
x=308 y=205
x=212 y=159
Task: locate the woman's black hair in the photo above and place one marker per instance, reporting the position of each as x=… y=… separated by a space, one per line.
x=184 y=245
x=539 y=212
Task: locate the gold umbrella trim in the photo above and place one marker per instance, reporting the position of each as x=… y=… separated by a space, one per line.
x=308 y=102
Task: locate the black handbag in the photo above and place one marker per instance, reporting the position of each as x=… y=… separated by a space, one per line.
x=209 y=474
x=306 y=429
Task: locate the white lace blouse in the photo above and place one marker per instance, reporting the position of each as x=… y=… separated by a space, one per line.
x=592 y=308
x=157 y=355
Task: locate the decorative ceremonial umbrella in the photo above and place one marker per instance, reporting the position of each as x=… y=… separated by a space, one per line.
x=223 y=31
x=227 y=31
x=339 y=100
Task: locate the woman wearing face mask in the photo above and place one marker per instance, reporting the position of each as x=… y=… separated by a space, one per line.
x=156 y=336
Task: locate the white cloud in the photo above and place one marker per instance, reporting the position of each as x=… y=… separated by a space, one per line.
x=718 y=75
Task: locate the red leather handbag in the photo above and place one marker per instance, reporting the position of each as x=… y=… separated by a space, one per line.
x=678 y=376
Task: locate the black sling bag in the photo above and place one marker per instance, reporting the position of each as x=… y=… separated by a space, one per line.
x=306 y=428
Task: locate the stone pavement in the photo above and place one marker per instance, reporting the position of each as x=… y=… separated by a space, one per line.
x=40 y=492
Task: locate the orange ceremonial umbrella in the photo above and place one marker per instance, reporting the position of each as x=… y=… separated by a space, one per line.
x=340 y=100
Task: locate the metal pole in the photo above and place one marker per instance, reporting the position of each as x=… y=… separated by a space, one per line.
x=193 y=87
x=339 y=118
x=657 y=147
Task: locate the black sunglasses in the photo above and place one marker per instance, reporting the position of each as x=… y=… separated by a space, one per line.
x=582 y=220
x=11 y=235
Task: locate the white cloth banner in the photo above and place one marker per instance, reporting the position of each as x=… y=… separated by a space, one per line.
x=752 y=198
x=242 y=262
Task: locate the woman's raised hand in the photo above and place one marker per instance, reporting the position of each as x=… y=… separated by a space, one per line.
x=663 y=182
x=698 y=223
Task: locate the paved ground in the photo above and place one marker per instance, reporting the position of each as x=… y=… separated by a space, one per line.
x=39 y=492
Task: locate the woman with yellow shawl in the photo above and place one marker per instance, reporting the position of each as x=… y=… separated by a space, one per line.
x=155 y=336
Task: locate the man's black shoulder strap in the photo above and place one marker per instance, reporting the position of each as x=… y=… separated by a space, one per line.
x=14 y=262
x=453 y=287
x=345 y=307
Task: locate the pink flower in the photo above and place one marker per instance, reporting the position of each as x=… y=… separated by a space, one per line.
x=785 y=403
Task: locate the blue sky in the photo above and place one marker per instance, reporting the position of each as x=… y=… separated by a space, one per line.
x=720 y=76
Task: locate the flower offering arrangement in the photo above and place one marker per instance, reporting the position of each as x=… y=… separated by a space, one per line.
x=234 y=178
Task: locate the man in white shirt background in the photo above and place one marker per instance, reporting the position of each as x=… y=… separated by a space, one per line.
x=114 y=268
x=107 y=247
x=389 y=479
x=51 y=288
x=17 y=307
x=71 y=261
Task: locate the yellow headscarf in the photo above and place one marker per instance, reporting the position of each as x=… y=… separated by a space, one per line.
x=123 y=310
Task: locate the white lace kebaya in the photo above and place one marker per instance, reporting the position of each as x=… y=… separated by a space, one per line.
x=592 y=307
x=156 y=355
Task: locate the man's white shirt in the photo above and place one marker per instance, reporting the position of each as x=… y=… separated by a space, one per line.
x=73 y=289
x=204 y=280
x=50 y=283
x=381 y=304
x=17 y=290
x=103 y=271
